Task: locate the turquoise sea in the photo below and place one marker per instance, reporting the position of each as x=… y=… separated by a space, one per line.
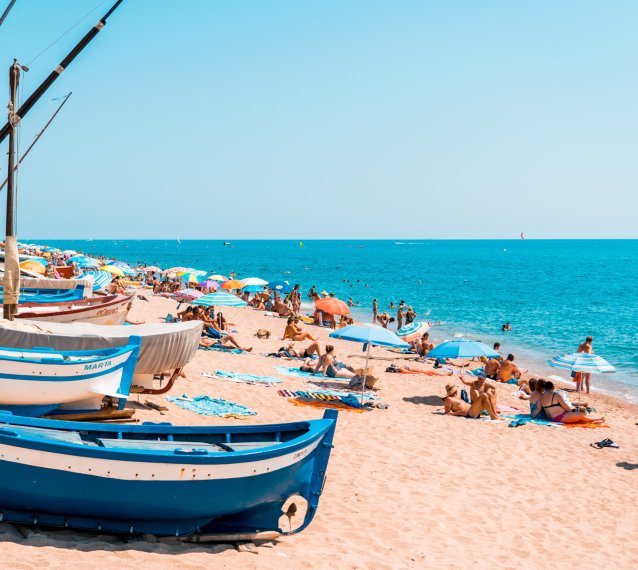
x=553 y=292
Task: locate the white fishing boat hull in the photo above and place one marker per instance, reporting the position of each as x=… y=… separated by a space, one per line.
x=111 y=310
x=40 y=381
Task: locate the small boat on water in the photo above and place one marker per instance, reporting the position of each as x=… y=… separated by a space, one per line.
x=162 y=479
x=39 y=381
x=105 y=310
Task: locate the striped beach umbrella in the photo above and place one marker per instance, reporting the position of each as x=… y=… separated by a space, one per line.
x=101 y=279
x=413 y=330
x=189 y=277
x=582 y=362
x=220 y=299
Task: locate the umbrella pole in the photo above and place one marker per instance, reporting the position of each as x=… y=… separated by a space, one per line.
x=365 y=370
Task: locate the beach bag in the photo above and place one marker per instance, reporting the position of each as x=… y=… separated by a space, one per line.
x=368 y=373
x=262 y=333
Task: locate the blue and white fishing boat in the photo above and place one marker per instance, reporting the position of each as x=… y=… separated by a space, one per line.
x=39 y=381
x=161 y=479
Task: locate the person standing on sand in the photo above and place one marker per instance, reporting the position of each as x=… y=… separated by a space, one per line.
x=375 y=310
x=585 y=377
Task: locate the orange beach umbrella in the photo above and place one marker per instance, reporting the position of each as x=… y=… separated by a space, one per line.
x=332 y=306
x=233 y=284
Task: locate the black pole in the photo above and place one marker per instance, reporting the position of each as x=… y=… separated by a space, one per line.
x=9 y=309
x=35 y=96
x=6 y=11
x=37 y=137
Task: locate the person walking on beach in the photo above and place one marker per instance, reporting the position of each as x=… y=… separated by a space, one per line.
x=375 y=310
x=585 y=377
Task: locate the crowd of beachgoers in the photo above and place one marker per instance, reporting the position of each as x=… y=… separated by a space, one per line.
x=409 y=450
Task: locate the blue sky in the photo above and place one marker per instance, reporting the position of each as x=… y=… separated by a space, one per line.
x=332 y=119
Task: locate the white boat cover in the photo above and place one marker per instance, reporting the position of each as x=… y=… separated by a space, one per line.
x=44 y=283
x=165 y=346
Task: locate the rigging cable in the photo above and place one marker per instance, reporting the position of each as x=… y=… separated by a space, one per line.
x=65 y=33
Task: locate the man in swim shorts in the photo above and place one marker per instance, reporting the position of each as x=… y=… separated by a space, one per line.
x=509 y=370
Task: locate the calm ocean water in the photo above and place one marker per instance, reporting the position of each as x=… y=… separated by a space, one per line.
x=554 y=293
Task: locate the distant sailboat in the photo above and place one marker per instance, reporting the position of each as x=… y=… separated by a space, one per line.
x=179 y=241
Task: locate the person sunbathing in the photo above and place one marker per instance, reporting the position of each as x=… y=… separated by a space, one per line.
x=478 y=386
x=294 y=332
x=457 y=407
x=281 y=309
x=492 y=368
x=225 y=341
x=508 y=370
x=423 y=346
x=556 y=409
x=291 y=352
x=330 y=367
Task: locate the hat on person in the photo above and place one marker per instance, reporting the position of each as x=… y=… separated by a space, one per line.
x=449 y=388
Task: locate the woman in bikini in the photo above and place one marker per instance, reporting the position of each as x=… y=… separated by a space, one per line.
x=556 y=409
x=328 y=366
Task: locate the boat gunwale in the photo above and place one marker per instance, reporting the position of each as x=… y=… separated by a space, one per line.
x=314 y=430
x=86 y=306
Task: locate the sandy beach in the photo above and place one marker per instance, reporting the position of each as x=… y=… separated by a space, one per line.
x=407 y=487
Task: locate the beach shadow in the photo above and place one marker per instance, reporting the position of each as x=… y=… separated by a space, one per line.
x=80 y=541
x=425 y=400
x=627 y=466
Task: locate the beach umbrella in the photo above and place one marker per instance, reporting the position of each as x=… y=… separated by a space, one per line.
x=220 y=299
x=189 y=277
x=112 y=270
x=69 y=252
x=255 y=281
x=101 y=279
x=152 y=268
x=33 y=265
x=176 y=270
x=39 y=260
x=369 y=335
x=282 y=286
x=218 y=277
x=462 y=348
x=413 y=330
x=121 y=265
x=582 y=362
x=188 y=294
x=208 y=284
x=253 y=288
x=233 y=284
x=332 y=306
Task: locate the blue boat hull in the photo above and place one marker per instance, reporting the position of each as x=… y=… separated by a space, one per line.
x=246 y=495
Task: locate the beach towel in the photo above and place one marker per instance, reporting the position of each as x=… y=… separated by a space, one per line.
x=327 y=394
x=243 y=378
x=294 y=372
x=319 y=404
x=206 y=406
x=220 y=348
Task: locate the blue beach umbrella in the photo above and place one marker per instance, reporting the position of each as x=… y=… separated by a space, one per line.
x=253 y=288
x=462 y=348
x=219 y=300
x=282 y=286
x=368 y=335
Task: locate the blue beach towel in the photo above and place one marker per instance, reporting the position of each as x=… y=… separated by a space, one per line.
x=244 y=378
x=294 y=372
x=220 y=348
x=521 y=419
x=205 y=406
